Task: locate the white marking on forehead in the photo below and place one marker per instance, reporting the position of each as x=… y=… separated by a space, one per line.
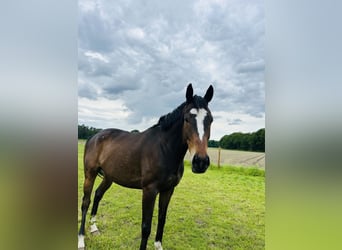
x=193 y=111
x=200 y=115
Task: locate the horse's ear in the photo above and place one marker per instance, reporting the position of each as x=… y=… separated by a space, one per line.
x=209 y=95
x=189 y=93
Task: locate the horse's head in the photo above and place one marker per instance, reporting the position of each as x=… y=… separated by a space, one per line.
x=196 y=127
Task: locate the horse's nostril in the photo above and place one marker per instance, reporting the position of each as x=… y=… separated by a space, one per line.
x=207 y=160
x=202 y=161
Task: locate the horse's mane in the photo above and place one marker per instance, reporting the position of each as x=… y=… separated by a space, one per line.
x=166 y=121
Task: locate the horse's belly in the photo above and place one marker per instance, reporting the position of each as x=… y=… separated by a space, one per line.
x=123 y=171
x=129 y=183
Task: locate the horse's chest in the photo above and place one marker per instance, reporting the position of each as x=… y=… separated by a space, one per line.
x=170 y=181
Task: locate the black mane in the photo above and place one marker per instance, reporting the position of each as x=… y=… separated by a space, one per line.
x=166 y=121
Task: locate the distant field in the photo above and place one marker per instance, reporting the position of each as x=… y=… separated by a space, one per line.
x=221 y=209
x=235 y=158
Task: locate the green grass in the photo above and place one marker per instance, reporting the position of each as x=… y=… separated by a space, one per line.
x=221 y=209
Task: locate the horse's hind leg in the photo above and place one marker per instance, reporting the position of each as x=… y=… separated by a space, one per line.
x=87 y=188
x=103 y=187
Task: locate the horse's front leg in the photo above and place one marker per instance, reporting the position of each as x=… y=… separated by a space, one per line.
x=148 y=200
x=164 y=199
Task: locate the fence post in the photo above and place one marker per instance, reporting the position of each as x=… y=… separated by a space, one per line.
x=219 y=157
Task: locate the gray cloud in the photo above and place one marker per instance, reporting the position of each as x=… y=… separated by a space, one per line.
x=234 y=121
x=146 y=53
x=257 y=66
x=94 y=32
x=86 y=90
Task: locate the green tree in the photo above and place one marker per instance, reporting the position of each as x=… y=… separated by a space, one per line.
x=244 y=141
x=85 y=132
x=213 y=144
x=259 y=143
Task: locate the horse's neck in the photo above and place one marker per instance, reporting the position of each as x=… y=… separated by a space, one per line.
x=175 y=140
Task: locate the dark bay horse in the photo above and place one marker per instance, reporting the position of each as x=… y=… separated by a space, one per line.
x=151 y=160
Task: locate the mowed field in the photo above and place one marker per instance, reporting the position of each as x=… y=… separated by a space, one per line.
x=221 y=209
x=235 y=158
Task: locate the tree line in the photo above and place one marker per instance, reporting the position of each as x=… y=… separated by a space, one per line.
x=85 y=132
x=242 y=141
x=239 y=141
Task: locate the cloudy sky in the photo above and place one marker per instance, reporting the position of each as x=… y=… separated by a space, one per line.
x=137 y=57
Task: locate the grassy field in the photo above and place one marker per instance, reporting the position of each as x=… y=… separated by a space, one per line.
x=221 y=209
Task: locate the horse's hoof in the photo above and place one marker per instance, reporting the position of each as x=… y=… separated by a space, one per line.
x=94 y=230
x=158 y=245
x=81 y=245
x=97 y=232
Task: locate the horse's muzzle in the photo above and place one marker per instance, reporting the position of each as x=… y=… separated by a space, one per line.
x=200 y=164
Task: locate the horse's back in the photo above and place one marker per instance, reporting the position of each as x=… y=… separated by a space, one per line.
x=95 y=145
x=117 y=153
